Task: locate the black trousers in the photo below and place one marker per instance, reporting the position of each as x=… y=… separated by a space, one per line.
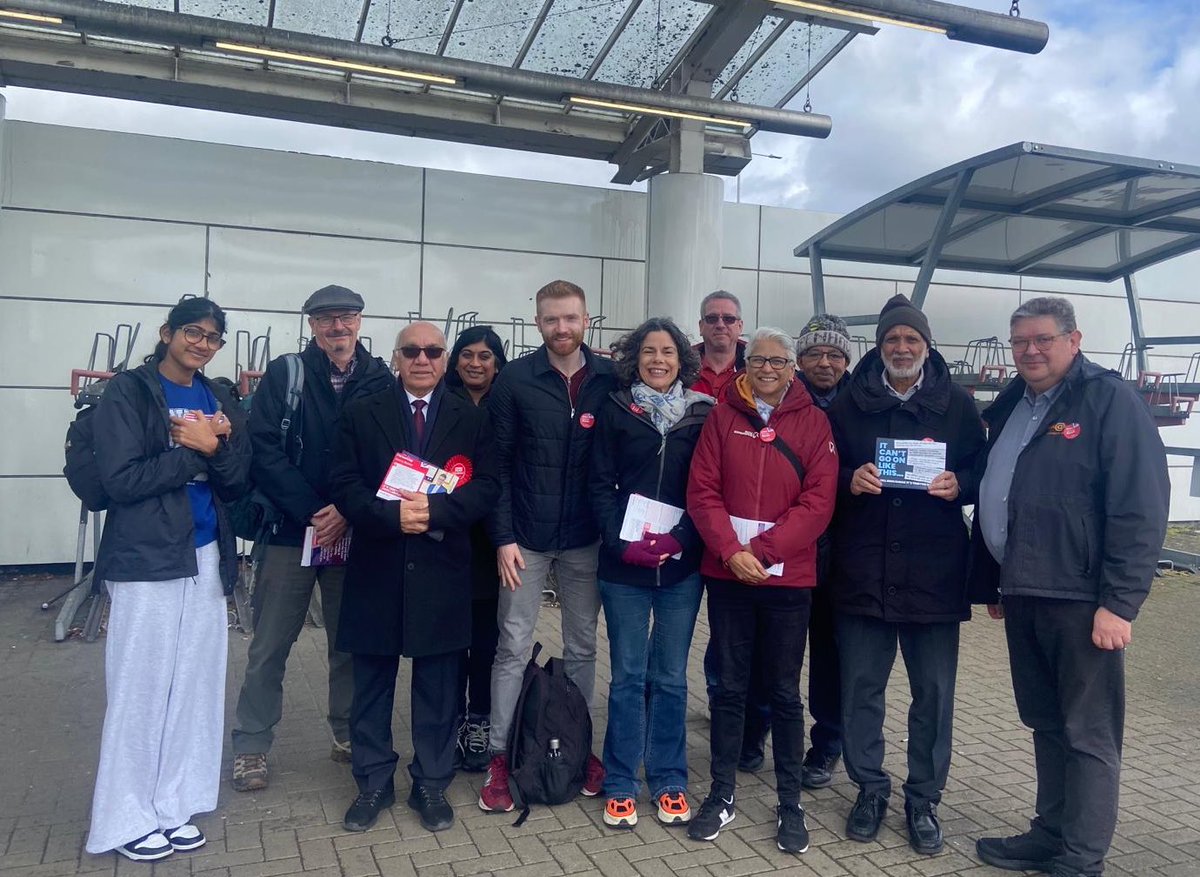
x=774 y=620
x=824 y=677
x=867 y=647
x=1072 y=695
x=435 y=701
x=475 y=680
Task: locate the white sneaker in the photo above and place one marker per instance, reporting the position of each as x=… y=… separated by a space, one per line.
x=185 y=837
x=147 y=848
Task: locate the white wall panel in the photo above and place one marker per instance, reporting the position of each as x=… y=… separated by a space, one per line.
x=1104 y=322
x=58 y=168
x=479 y=211
x=1175 y=279
x=958 y=314
x=743 y=284
x=278 y=271
x=41 y=417
x=782 y=230
x=739 y=249
x=784 y=300
x=48 y=515
x=624 y=303
x=1035 y=286
x=47 y=255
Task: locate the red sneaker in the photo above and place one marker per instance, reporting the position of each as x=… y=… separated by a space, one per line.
x=593 y=777
x=495 y=796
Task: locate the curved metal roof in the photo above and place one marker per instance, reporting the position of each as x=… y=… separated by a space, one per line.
x=1028 y=209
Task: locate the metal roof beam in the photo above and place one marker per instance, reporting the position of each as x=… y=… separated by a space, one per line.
x=1063 y=214
x=933 y=251
x=157 y=26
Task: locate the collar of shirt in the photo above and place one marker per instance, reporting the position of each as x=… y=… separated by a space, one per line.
x=411 y=398
x=1047 y=395
x=907 y=394
x=338 y=377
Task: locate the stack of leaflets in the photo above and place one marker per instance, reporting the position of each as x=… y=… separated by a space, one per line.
x=409 y=472
x=315 y=554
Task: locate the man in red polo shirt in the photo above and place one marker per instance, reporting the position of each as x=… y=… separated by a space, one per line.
x=722 y=352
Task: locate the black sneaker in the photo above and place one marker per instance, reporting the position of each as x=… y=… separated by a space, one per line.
x=866 y=816
x=474 y=742
x=791 y=834
x=817 y=770
x=1021 y=852
x=715 y=813
x=433 y=808
x=366 y=809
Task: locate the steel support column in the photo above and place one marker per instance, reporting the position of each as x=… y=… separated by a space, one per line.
x=816 y=271
x=933 y=252
x=1135 y=321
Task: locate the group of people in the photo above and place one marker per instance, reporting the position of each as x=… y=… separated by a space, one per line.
x=744 y=468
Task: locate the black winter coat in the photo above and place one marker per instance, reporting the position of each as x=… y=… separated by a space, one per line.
x=631 y=456
x=408 y=594
x=485 y=576
x=1087 y=512
x=901 y=556
x=300 y=492
x=149 y=533
x=543 y=449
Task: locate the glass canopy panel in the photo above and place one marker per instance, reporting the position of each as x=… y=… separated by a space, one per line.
x=765 y=28
x=784 y=64
x=167 y=5
x=337 y=19
x=899 y=229
x=1014 y=180
x=415 y=25
x=650 y=41
x=572 y=35
x=245 y=11
x=492 y=32
x=1154 y=191
x=1104 y=252
x=1109 y=198
x=1011 y=239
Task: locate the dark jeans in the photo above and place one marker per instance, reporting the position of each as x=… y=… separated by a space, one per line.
x=868 y=651
x=476 y=677
x=1072 y=695
x=435 y=699
x=771 y=619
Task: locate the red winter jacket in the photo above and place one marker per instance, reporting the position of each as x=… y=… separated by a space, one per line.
x=735 y=473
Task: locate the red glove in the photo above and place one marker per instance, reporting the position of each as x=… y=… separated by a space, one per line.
x=665 y=543
x=641 y=553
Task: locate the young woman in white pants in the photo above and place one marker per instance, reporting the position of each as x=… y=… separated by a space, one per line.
x=170 y=450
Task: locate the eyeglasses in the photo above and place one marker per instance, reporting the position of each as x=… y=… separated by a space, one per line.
x=194 y=335
x=815 y=356
x=1041 y=342
x=776 y=362
x=727 y=319
x=349 y=320
x=412 y=351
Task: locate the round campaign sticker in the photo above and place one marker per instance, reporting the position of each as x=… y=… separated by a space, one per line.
x=586 y=420
x=461 y=467
x=1071 y=431
x=766 y=435
x=635 y=408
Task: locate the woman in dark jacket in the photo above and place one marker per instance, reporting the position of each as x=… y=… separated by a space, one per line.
x=645 y=434
x=475 y=360
x=171 y=450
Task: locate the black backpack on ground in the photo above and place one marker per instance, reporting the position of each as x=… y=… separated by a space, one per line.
x=83 y=475
x=550 y=739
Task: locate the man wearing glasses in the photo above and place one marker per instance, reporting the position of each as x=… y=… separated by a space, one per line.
x=1072 y=513
x=722 y=352
x=337 y=370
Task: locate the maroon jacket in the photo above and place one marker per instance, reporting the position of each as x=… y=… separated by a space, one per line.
x=734 y=472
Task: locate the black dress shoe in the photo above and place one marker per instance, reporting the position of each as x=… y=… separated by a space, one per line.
x=366 y=808
x=924 y=830
x=817 y=770
x=433 y=808
x=866 y=816
x=1022 y=852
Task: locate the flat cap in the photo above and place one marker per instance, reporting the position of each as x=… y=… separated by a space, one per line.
x=330 y=298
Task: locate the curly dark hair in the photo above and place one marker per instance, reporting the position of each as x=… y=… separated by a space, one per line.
x=625 y=352
x=466 y=338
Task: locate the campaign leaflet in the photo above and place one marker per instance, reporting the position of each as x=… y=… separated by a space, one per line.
x=644 y=515
x=910 y=463
x=409 y=472
x=315 y=554
x=746 y=529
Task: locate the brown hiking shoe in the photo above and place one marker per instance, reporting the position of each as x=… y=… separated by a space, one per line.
x=250 y=772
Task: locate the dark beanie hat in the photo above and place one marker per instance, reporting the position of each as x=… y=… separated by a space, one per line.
x=899 y=311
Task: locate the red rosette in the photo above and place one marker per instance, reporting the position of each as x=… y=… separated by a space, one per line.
x=461 y=466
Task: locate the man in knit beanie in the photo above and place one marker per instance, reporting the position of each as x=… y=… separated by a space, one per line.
x=823 y=353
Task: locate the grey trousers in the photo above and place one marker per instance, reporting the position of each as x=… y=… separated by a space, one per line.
x=281 y=604
x=517 y=616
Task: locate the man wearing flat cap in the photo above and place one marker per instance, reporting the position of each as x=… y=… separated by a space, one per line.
x=900 y=566
x=336 y=369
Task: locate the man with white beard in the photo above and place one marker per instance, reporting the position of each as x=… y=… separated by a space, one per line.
x=899 y=567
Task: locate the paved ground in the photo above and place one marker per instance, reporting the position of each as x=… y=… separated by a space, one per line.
x=52 y=702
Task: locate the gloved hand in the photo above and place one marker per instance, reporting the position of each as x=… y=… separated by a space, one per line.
x=665 y=543
x=641 y=553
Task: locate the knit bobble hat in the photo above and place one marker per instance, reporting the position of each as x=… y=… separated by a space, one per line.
x=899 y=311
x=824 y=329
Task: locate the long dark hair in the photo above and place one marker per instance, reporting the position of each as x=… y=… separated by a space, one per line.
x=466 y=338
x=625 y=352
x=190 y=309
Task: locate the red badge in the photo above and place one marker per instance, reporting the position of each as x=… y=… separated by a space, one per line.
x=586 y=420
x=635 y=408
x=1071 y=431
x=766 y=434
x=928 y=438
x=461 y=466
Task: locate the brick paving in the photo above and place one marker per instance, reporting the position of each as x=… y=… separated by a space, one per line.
x=52 y=702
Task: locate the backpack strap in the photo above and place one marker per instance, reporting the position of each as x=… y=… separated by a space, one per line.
x=292 y=397
x=779 y=444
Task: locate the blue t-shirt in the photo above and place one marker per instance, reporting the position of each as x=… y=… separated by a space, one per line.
x=180 y=401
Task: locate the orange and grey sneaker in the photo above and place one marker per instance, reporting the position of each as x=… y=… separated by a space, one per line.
x=673 y=808
x=593 y=777
x=620 y=813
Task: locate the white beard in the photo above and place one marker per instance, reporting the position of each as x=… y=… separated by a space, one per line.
x=906 y=373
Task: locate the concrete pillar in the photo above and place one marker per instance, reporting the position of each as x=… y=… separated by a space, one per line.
x=683 y=248
x=3 y=157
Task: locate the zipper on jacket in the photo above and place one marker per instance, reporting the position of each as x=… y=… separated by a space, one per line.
x=662 y=459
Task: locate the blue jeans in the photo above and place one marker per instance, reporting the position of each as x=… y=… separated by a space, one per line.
x=647 y=701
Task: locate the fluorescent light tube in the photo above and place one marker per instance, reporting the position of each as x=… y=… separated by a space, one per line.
x=259 y=51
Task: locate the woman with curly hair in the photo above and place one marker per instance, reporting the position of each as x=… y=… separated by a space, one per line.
x=645 y=435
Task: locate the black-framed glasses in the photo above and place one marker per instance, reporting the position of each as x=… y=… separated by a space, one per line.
x=194 y=335
x=1041 y=342
x=727 y=319
x=349 y=319
x=776 y=362
x=412 y=351
x=835 y=357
